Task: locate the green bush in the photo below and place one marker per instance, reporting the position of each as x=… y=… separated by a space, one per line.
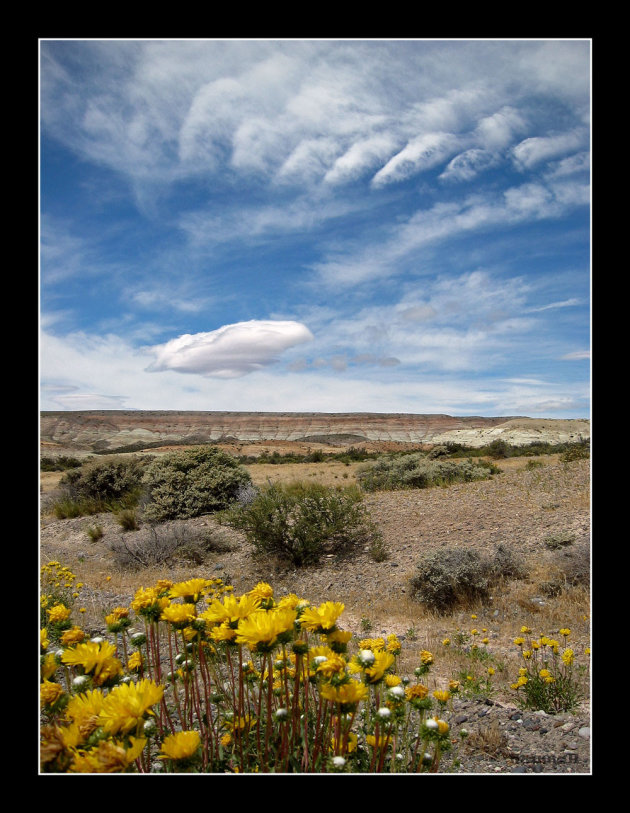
x=190 y=483
x=301 y=522
x=98 y=486
x=61 y=463
x=115 y=482
x=577 y=451
x=417 y=471
x=454 y=576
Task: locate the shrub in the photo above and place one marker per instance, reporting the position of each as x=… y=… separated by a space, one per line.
x=499 y=449
x=191 y=483
x=160 y=544
x=577 y=451
x=60 y=463
x=455 y=576
x=416 y=471
x=102 y=485
x=559 y=540
x=301 y=522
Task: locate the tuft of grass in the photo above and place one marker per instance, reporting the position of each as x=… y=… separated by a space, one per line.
x=95 y=532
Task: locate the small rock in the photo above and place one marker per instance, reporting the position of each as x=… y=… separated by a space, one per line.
x=584 y=732
x=519 y=769
x=461 y=718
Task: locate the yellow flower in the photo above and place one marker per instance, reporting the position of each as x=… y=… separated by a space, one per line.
x=323 y=618
x=49 y=666
x=149 y=601
x=426 y=658
x=331 y=666
x=565 y=632
x=231 y=610
x=262 y=630
x=446 y=642
x=179 y=615
x=43 y=638
x=50 y=692
x=347 y=744
x=75 y=635
x=134 y=664
x=108 y=757
x=338 y=640
x=490 y=670
x=382 y=742
x=392 y=680
x=453 y=685
x=382 y=662
x=181 y=745
x=441 y=696
x=127 y=704
x=190 y=590
x=348 y=695
x=84 y=709
x=393 y=644
x=92 y=656
x=525 y=630
x=262 y=591
x=58 y=613
x=567 y=657
x=416 y=692
x=223 y=634
x=519 y=641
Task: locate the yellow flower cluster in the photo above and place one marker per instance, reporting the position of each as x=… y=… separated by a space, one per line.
x=107 y=701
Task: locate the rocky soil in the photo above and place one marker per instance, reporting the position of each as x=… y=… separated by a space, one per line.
x=522 y=508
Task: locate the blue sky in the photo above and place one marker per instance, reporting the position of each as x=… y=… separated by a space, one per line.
x=316 y=226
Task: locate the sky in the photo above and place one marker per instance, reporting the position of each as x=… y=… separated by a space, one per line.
x=305 y=225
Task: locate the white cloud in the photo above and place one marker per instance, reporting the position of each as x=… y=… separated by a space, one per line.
x=533 y=151
x=421 y=153
x=468 y=164
x=565 y=303
x=230 y=351
x=369 y=260
x=497 y=130
x=361 y=157
x=578 y=355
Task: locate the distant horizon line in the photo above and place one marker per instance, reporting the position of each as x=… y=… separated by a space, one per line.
x=293 y=412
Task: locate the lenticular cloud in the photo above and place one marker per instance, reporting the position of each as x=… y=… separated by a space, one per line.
x=230 y=351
